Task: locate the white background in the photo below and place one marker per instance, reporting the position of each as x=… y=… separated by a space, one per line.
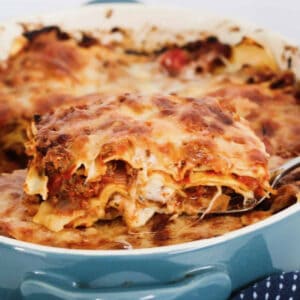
x=278 y=15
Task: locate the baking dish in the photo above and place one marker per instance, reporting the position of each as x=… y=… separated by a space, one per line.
x=207 y=269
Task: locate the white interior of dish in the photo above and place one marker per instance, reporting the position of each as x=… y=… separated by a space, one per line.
x=171 y=21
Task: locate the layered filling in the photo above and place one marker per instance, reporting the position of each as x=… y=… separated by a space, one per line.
x=136 y=195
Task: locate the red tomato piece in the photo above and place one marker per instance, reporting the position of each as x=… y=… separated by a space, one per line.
x=174 y=60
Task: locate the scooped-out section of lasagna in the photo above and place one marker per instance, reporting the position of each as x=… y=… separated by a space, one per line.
x=134 y=155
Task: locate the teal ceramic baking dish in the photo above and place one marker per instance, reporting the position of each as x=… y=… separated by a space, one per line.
x=207 y=269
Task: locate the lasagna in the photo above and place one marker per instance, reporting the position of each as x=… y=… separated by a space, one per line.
x=141 y=168
x=136 y=155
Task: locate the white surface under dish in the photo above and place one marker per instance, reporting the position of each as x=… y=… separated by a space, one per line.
x=280 y=16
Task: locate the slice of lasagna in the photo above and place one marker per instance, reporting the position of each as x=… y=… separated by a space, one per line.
x=132 y=156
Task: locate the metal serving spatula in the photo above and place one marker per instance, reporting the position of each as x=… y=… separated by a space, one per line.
x=276 y=175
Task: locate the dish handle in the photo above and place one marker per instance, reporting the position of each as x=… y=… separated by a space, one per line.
x=111 y=1
x=210 y=283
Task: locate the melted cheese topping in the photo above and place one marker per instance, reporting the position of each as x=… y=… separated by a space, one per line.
x=51 y=67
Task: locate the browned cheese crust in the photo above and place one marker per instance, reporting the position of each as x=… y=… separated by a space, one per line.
x=51 y=65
